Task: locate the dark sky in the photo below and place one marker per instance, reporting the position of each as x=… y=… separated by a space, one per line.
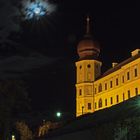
x=46 y=56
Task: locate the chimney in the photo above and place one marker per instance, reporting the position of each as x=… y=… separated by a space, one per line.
x=114 y=64
x=135 y=52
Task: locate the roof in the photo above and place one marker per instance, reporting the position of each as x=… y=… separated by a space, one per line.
x=118 y=66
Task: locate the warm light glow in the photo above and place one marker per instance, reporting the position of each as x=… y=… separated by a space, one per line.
x=13 y=137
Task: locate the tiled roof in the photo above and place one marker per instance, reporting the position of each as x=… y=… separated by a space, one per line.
x=118 y=66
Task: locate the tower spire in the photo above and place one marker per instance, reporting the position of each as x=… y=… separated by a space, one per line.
x=87 y=25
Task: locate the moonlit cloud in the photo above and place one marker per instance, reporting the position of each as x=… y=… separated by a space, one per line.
x=11 y=14
x=21 y=65
x=36 y=9
x=23 y=60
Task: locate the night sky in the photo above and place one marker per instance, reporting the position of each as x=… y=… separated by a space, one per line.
x=43 y=52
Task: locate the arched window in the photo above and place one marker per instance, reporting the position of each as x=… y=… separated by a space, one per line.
x=100 y=103
x=100 y=87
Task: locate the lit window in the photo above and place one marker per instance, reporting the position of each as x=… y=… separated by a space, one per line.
x=89 y=106
x=110 y=84
x=123 y=97
x=128 y=94
x=100 y=88
x=105 y=102
x=100 y=103
x=135 y=72
x=117 y=98
x=117 y=82
x=111 y=100
x=128 y=76
x=105 y=86
x=136 y=91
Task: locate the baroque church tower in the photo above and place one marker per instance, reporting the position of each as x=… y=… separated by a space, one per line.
x=88 y=69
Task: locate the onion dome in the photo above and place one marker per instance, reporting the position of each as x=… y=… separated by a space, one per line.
x=87 y=47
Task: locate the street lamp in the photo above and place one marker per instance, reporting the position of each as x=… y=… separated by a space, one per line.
x=58 y=114
x=82 y=110
x=13 y=137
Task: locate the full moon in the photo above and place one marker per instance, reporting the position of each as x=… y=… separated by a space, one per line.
x=37 y=10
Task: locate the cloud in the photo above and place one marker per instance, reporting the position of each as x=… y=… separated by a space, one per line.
x=17 y=65
x=9 y=12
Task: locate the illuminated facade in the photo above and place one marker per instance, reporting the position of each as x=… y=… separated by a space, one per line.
x=95 y=91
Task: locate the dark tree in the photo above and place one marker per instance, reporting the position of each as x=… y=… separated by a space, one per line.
x=14 y=102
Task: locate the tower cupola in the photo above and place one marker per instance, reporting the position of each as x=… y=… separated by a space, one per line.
x=87 y=47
